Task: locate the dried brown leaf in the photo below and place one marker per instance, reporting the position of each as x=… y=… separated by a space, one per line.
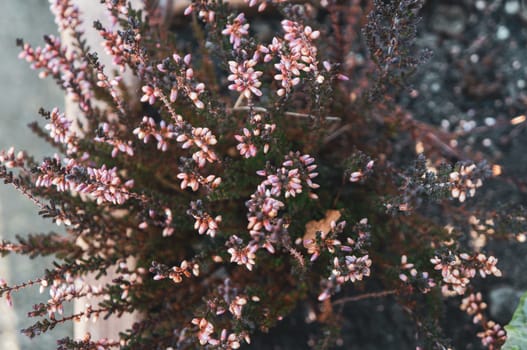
x=322 y=225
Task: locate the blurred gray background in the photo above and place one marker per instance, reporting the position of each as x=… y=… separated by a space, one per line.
x=22 y=93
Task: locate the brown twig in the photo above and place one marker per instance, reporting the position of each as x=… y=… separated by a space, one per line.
x=365 y=296
x=236 y=107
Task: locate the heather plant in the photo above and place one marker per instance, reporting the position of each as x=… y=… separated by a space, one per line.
x=249 y=179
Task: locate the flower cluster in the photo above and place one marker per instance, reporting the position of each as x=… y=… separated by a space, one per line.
x=60 y=130
x=106 y=185
x=236 y=30
x=63 y=65
x=351 y=268
x=479 y=231
x=199 y=139
x=245 y=145
x=203 y=140
x=296 y=171
x=474 y=306
x=493 y=336
x=52 y=173
x=295 y=53
x=458 y=270
x=66 y=14
x=180 y=74
x=103 y=184
x=348 y=262
x=228 y=341
x=115 y=46
x=409 y=274
x=245 y=79
x=107 y=135
x=260 y=132
x=265 y=226
x=204 y=222
x=326 y=239
x=225 y=298
x=176 y=273
x=62 y=290
x=11 y=160
x=464 y=182
x=232 y=167
x=204 y=9
x=358 y=175
x=242 y=254
x=149 y=129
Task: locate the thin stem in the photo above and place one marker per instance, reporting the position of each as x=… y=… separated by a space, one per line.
x=238 y=101
x=170 y=109
x=365 y=296
x=291 y=114
x=302 y=115
x=17 y=287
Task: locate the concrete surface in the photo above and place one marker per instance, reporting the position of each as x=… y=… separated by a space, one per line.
x=22 y=93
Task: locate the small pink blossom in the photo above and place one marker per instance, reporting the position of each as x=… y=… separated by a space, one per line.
x=60 y=130
x=188 y=180
x=207 y=224
x=474 y=305
x=109 y=137
x=245 y=78
x=12 y=160
x=148 y=129
x=245 y=145
x=150 y=94
x=493 y=336
x=236 y=306
x=205 y=330
x=236 y=30
x=289 y=73
x=262 y=4
x=55 y=60
x=242 y=255
x=66 y=14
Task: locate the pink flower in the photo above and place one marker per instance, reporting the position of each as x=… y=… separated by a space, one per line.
x=59 y=128
x=205 y=330
x=288 y=180
x=289 y=69
x=494 y=335
x=148 y=128
x=55 y=60
x=106 y=186
x=207 y=224
x=242 y=255
x=115 y=47
x=236 y=306
x=245 y=78
x=109 y=136
x=66 y=14
x=262 y=4
x=194 y=95
x=10 y=160
x=236 y=30
x=474 y=305
x=245 y=257
x=245 y=146
x=188 y=180
x=183 y=269
x=150 y=94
